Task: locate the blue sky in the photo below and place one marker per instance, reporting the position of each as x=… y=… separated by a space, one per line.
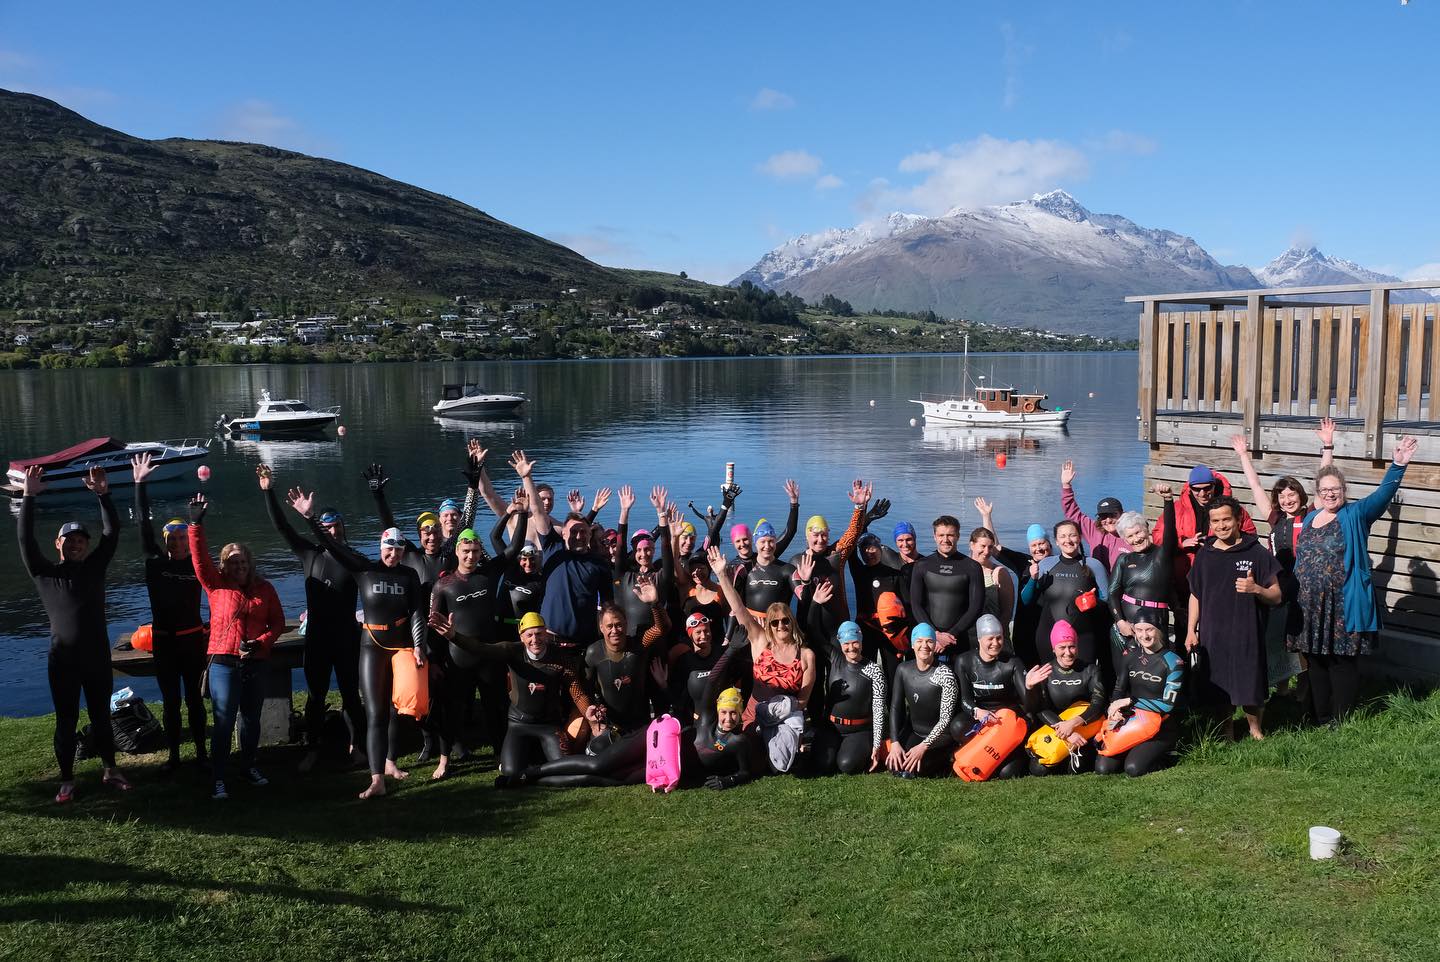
x=687 y=138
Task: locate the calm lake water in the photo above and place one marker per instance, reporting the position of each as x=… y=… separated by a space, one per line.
x=590 y=423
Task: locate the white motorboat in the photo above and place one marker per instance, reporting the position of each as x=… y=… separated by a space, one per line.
x=462 y=400
x=993 y=406
x=280 y=417
x=66 y=470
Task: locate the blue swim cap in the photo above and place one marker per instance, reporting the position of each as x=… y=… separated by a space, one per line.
x=904 y=527
x=1035 y=532
x=448 y=505
x=331 y=516
x=849 y=631
x=922 y=630
x=764 y=530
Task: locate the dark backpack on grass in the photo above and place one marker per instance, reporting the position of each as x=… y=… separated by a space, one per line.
x=136 y=731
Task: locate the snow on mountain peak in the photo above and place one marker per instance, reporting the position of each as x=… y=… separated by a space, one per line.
x=1061 y=204
x=808 y=252
x=1311 y=268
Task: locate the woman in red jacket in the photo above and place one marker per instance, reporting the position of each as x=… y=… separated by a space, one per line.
x=245 y=621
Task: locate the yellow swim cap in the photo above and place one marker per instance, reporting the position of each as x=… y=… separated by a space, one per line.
x=729 y=700
x=532 y=619
x=426 y=519
x=817 y=523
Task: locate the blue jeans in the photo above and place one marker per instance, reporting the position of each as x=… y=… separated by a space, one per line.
x=234 y=689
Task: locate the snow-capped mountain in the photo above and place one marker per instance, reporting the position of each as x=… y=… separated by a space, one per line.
x=1045 y=262
x=811 y=251
x=1311 y=268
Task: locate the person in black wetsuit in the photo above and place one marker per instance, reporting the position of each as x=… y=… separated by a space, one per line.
x=989 y=680
x=691 y=664
x=462 y=612
x=922 y=706
x=1061 y=585
x=720 y=742
x=1061 y=683
x=827 y=566
x=523 y=587
x=177 y=631
x=767 y=581
x=332 y=636
x=543 y=687
x=395 y=610
x=872 y=575
x=615 y=672
x=1142 y=578
x=743 y=540
x=1027 y=614
x=1149 y=677
x=849 y=741
x=73 y=593
x=640 y=565
x=947 y=590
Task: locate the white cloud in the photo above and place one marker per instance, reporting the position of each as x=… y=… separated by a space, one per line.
x=1425 y=272
x=1014 y=53
x=25 y=74
x=259 y=122
x=604 y=245
x=983 y=171
x=1302 y=238
x=829 y=182
x=791 y=164
x=1126 y=142
x=768 y=99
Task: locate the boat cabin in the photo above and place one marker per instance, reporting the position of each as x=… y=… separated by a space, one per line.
x=1004 y=399
x=454 y=392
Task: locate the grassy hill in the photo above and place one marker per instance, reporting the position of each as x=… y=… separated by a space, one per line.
x=92 y=215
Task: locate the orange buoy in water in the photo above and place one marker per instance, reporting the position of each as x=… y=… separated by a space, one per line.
x=203 y=472
x=1000 y=460
x=340 y=430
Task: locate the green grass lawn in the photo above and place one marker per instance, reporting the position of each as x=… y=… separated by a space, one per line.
x=1204 y=861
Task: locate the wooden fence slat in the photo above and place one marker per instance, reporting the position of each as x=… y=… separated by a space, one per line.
x=1268 y=339
x=1192 y=378
x=1344 y=384
x=1212 y=360
x=1287 y=360
x=1306 y=358
x=1162 y=362
x=1177 y=362
x=1392 y=368
x=1415 y=364
x=1434 y=411
x=1325 y=335
x=1227 y=362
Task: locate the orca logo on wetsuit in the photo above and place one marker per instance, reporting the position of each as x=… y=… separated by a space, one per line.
x=1146 y=676
x=474 y=594
x=176 y=576
x=520 y=589
x=762 y=581
x=1066 y=681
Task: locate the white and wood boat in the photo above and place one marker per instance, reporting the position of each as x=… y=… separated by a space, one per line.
x=65 y=470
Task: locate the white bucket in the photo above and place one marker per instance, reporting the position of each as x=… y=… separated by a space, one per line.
x=1324 y=842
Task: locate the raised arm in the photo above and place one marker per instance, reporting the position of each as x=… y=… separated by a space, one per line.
x=792 y=519
x=36 y=564
x=140 y=469
x=99 y=484
x=297 y=544
x=860 y=494
x=1373 y=505
x=1326 y=433
x=541 y=524
x=1088 y=529
x=753 y=629
x=200 y=560
x=375 y=480
x=1263 y=507
x=485 y=487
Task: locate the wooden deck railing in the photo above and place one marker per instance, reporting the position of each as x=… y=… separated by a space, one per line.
x=1302 y=360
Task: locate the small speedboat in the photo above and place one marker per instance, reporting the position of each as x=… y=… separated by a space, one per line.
x=281 y=417
x=463 y=400
x=66 y=470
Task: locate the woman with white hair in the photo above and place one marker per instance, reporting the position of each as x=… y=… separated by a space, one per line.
x=1142 y=580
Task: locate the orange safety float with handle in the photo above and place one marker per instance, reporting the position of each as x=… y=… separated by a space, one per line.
x=1028 y=405
x=1048 y=748
x=143 y=638
x=1139 y=727
x=988 y=748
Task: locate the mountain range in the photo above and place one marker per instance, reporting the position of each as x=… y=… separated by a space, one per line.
x=1046 y=262
x=90 y=216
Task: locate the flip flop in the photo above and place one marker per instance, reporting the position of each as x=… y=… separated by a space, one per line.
x=117 y=781
x=66 y=794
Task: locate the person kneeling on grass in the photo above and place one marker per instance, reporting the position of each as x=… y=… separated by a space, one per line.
x=990 y=680
x=720 y=742
x=1147 y=686
x=922 y=704
x=850 y=740
x=1063 y=683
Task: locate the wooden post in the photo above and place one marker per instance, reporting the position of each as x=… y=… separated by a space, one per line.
x=1149 y=370
x=1250 y=364
x=1372 y=395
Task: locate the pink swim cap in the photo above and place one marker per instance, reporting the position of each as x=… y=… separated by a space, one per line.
x=738 y=531
x=1063 y=634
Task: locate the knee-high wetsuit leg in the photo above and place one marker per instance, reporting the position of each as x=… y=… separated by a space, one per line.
x=376 y=684
x=346 y=659
x=1151 y=755
x=853 y=756
x=621 y=757
x=166 y=658
x=317 y=667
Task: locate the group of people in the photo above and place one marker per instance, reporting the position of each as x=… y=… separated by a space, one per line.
x=558 y=640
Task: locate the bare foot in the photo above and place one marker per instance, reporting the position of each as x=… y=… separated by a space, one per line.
x=395 y=771
x=1257 y=735
x=308 y=762
x=442 y=769
x=376 y=788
